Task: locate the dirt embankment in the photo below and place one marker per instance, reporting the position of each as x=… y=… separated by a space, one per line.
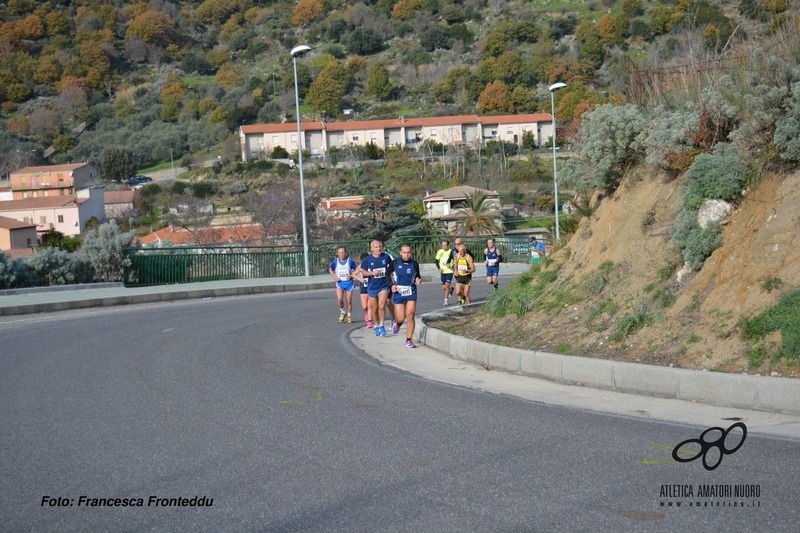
x=620 y=263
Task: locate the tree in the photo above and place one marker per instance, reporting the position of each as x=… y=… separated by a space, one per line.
x=434 y=38
x=495 y=99
x=364 y=41
x=230 y=75
x=30 y=28
x=327 y=91
x=379 y=84
x=117 y=163
x=479 y=216
x=151 y=27
x=306 y=11
x=64 y=143
x=274 y=205
x=384 y=214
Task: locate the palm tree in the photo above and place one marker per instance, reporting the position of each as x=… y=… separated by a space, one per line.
x=480 y=217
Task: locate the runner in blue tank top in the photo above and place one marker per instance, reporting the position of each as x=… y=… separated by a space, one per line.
x=342 y=270
x=404 y=275
x=374 y=267
x=492 y=262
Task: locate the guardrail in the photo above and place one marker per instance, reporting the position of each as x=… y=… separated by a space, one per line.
x=187 y=264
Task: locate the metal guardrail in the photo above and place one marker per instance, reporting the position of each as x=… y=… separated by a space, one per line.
x=186 y=264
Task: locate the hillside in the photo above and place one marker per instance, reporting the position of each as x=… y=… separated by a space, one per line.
x=621 y=258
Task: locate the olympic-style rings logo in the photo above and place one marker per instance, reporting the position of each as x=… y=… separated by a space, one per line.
x=706 y=446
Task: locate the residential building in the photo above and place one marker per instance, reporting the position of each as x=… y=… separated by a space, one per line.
x=259 y=140
x=336 y=210
x=67 y=214
x=53 y=180
x=445 y=207
x=252 y=234
x=15 y=234
x=118 y=203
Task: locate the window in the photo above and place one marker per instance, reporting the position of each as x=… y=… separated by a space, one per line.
x=42 y=220
x=510 y=130
x=275 y=140
x=61 y=219
x=355 y=138
x=24 y=194
x=62 y=192
x=373 y=136
x=451 y=132
x=26 y=220
x=28 y=243
x=433 y=133
x=294 y=138
x=527 y=128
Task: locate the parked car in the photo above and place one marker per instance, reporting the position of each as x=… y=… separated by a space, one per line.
x=137 y=180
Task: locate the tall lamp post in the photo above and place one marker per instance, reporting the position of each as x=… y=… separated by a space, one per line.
x=298 y=51
x=172 y=161
x=553 y=88
x=26 y=155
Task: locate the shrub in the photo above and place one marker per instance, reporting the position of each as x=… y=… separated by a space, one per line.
x=714 y=176
x=203 y=189
x=611 y=140
x=363 y=41
x=8 y=271
x=103 y=249
x=783 y=317
x=279 y=152
x=695 y=242
x=49 y=266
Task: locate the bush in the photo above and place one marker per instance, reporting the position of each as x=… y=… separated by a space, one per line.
x=695 y=242
x=716 y=176
x=364 y=41
x=203 y=189
x=8 y=271
x=49 y=266
x=103 y=249
x=279 y=152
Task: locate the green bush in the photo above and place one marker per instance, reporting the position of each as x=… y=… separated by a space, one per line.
x=783 y=317
x=695 y=242
x=203 y=189
x=279 y=152
x=714 y=176
x=103 y=250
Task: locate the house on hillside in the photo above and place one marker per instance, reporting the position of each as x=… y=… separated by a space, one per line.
x=336 y=210
x=252 y=234
x=67 y=214
x=118 y=203
x=445 y=207
x=15 y=235
x=53 y=180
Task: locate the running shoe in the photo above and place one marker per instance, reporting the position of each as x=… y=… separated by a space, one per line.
x=381 y=331
x=462 y=301
x=349 y=320
x=446 y=302
x=369 y=323
x=395 y=328
x=366 y=317
x=377 y=331
x=452 y=290
x=341 y=317
x=410 y=344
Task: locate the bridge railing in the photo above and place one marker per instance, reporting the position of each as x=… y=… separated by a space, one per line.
x=187 y=264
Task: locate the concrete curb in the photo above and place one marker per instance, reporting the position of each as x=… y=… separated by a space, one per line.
x=763 y=393
x=62 y=288
x=168 y=296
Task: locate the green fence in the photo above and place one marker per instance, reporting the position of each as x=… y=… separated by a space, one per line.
x=160 y=266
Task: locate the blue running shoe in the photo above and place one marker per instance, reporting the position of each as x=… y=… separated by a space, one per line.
x=395 y=328
x=410 y=344
x=383 y=331
x=377 y=331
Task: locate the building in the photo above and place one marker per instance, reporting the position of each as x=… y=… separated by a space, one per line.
x=67 y=214
x=118 y=203
x=336 y=210
x=251 y=234
x=259 y=140
x=15 y=234
x=52 y=180
x=444 y=207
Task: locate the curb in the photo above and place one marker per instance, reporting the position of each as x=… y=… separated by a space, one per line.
x=187 y=294
x=763 y=393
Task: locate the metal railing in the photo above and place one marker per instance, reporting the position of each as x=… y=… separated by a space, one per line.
x=186 y=264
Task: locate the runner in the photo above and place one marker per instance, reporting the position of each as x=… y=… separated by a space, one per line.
x=404 y=275
x=389 y=304
x=537 y=250
x=342 y=269
x=444 y=262
x=459 y=241
x=464 y=269
x=363 y=290
x=374 y=266
x=493 y=259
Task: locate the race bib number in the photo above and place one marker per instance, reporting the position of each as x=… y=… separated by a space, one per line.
x=535 y=254
x=379 y=273
x=492 y=262
x=343 y=274
x=463 y=268
x=404 y=290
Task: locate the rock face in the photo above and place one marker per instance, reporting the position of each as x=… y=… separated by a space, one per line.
x=713 y=211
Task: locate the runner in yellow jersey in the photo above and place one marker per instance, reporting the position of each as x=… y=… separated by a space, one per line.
x=464 y=269
x=444 y=262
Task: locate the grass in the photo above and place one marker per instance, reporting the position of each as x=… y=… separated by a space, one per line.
x=771 y=283
x=784 y=317
x=516 y=298
x=632 y=323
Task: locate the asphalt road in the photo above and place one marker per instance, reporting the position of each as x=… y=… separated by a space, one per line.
x=262 y=404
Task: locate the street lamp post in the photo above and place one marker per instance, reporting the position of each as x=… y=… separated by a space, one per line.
x=298 y=51
x=172 y=161
x=26 y=155
x=553 y=88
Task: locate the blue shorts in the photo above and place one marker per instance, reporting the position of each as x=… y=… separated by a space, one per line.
x=402 y=300
x=447 y=278
x=364 y=288
x=492 y=271
x=346 y=285
x=374 y=290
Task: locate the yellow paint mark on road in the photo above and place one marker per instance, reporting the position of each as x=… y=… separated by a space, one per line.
x=317 y=397
x=665 y=460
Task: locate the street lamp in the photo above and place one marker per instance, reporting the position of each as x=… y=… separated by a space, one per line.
x=26 y=155
x=553 y=88
x=298 y=51
x=172 y=161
